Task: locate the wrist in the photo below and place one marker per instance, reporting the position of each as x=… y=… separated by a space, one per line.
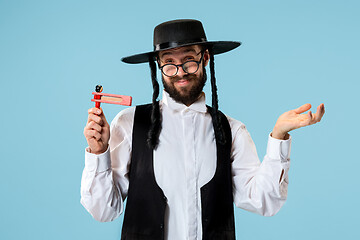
x=98 y=152
x=279 y=135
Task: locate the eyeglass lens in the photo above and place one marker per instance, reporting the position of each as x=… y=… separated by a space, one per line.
x=188 y=67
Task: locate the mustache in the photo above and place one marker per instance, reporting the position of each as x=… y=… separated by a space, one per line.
x=185 y=77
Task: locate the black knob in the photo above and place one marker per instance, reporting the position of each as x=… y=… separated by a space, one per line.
x=98 y=88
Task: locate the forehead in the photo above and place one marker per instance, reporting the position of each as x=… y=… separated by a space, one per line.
x=180 y=51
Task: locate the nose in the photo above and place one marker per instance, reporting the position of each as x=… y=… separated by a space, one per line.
x=181 y=72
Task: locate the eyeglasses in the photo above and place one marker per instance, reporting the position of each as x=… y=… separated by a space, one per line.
x=189 y=67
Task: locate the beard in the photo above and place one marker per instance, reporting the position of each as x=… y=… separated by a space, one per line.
x=187 y=96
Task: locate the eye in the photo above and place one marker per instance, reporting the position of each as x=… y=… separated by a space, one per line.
x=168 y=60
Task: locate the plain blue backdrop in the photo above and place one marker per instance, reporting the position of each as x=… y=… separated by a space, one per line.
x=53 y=53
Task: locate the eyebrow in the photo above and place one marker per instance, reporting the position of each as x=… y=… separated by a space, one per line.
x=184 y=51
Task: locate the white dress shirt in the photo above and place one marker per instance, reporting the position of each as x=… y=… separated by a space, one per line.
x=184 y=161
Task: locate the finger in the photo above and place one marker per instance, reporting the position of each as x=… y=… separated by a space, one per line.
x=99 y=112
x=102 y=115
x=93 y=125
x=95 y=118
x=304 y=119
x=320 y=112
x=92 y=134
x=322 y=107
x=95 y=110
x=310 y=117
x=303 y=108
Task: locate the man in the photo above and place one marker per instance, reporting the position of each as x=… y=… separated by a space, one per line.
x=180 y=163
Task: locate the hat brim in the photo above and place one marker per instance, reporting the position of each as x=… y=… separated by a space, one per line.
x=218 y=47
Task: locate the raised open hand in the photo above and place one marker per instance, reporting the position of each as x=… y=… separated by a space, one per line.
x=293 y=119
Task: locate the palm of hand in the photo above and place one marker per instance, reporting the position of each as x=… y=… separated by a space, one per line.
x=293 y=119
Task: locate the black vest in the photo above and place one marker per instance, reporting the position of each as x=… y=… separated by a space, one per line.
x=145 y=209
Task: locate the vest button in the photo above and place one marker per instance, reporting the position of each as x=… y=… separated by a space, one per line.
x=165 y=199
x=161 y=226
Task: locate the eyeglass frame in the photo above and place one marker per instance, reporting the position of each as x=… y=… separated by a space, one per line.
x=182 y=65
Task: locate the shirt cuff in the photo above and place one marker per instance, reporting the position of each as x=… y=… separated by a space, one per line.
x=279 y=149
x=97 y=162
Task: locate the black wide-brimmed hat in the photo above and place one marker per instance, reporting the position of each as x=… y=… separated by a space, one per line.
x=180 y=33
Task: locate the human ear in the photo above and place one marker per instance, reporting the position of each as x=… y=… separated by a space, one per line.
x=206 y=57
x=158 y=61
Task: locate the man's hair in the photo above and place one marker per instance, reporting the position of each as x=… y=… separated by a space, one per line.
x=155 y=129
x=219 y=131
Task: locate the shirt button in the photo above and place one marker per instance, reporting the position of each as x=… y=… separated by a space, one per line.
x=186 y=110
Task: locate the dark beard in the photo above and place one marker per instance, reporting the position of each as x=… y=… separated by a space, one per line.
x=190 y=96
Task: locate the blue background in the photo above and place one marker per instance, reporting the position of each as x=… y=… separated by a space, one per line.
x=53 y=53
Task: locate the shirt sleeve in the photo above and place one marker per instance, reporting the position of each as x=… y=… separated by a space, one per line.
x=105 y=181
x=259 y=187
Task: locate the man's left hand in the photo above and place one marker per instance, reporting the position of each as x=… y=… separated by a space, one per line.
x=293 y=119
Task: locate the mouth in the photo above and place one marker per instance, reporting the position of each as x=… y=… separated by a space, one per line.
x=182 y=82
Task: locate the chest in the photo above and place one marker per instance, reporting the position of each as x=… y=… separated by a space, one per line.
x=187 y=150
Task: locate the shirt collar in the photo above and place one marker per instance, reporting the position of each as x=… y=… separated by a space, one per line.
x=199 y=105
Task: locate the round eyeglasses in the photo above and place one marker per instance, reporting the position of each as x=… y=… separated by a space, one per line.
x=189 y=67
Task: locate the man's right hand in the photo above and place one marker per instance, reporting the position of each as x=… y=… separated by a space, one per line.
x=97 y=131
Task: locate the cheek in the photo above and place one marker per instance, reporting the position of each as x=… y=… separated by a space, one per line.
x=199 y=73
x=167 y=80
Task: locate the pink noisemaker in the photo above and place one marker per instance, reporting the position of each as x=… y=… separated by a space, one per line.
x=109 y=98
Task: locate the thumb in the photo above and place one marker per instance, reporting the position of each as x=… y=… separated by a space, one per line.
x=102 y=115
x=303 y=108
